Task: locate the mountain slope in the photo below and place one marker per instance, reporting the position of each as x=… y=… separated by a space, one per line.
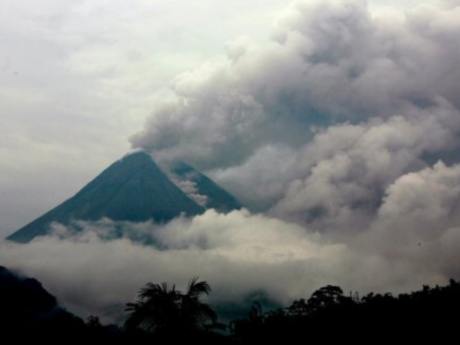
x=28 y=310
x=131 y=189
x=217 y=197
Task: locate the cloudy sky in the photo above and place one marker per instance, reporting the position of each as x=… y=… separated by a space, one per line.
x=335 y=122
x=80 y=77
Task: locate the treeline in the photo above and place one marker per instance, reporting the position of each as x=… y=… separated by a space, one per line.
x=163 y=314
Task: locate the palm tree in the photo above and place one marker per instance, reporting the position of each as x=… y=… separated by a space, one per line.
x=163 y=309
x=156 y=308
x=194 y=313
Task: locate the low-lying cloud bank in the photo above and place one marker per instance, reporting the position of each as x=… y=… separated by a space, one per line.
x=240 y=253
x=237 y=253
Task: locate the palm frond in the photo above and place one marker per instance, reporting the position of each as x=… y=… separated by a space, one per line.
x=197 y=288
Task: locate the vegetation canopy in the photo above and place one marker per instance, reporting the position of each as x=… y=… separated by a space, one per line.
x=164 y=314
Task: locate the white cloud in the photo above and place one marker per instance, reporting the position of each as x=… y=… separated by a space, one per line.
x=240 y=253
x=237 y=253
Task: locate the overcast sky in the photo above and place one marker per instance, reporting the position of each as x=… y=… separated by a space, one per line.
x=79 y=77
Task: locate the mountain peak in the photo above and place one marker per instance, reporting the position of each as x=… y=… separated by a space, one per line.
x=137 y=153
x=132 y=189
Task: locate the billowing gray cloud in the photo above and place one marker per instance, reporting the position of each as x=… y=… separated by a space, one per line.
x=344 y=164
x=419 y=218
x=321 y=121
x=330 y=61
x=348 y=167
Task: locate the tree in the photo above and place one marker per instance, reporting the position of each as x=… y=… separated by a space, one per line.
x=195 y=314
x=161 y=309
x=326 y=296
x=298 y=308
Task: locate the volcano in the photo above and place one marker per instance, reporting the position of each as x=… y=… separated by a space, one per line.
x=133 y=189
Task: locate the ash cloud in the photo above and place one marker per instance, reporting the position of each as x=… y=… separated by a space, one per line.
x=329 y=62
x=315 y=127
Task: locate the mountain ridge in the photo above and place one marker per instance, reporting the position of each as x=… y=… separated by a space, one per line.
x=133 y=188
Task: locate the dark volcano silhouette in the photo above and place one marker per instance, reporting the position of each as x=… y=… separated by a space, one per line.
x=132 y=189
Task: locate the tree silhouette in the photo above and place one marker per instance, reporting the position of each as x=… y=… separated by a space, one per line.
x=161 y=309
x=325 y=297
x=156 y=309
x=298 y=308
x=195 y=314
x=163 y=314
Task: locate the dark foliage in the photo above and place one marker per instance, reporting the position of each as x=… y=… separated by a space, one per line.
x=26 y=308
x=329 y=315
x=29 y=313
x=164 y=315
x=168 y=314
